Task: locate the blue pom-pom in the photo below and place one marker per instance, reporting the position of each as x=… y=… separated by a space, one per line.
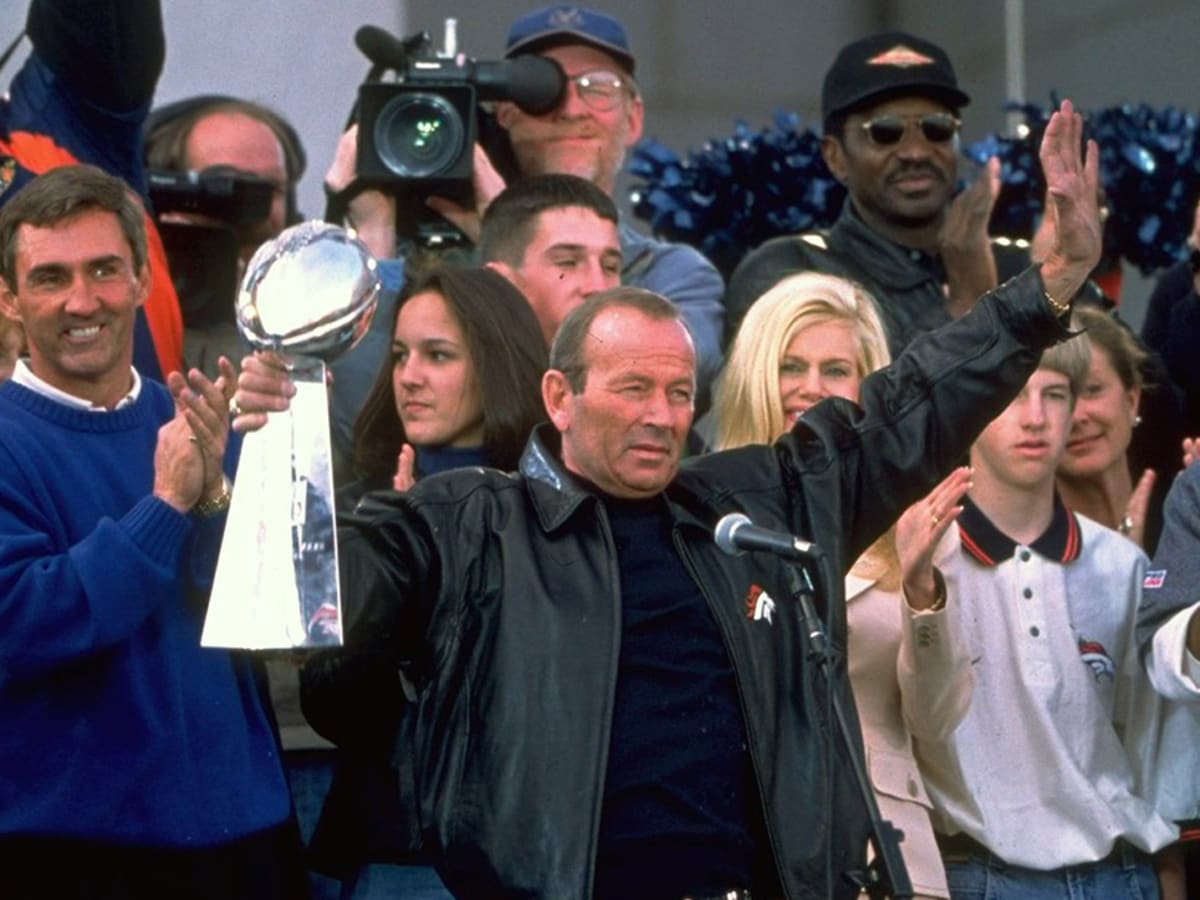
x=737 y=191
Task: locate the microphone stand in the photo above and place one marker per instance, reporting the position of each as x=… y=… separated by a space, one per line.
x=885 y=875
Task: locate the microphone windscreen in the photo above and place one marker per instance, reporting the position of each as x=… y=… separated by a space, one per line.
x=723 y=533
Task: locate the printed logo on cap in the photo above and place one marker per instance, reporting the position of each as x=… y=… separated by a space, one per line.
x=902 y=57
x=566 y=17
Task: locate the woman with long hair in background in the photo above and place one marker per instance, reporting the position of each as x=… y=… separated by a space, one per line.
x=809 y=338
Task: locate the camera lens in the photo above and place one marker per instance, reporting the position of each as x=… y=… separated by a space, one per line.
x=419 y=135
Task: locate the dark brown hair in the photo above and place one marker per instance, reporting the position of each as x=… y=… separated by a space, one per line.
x=64 y=192
x=511 y=220
x=507 y=352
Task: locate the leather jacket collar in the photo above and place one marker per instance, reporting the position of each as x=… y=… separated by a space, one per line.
x=557 y=495
x=892 y=264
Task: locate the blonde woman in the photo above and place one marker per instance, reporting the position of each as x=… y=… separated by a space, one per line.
x=810 y=337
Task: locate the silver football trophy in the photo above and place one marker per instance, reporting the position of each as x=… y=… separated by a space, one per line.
x=308 y=295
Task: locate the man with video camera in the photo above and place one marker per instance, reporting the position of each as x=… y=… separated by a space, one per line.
x=222 y=175
x=594 y=114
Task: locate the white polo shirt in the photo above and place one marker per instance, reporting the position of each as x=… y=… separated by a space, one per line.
x=1037 y=771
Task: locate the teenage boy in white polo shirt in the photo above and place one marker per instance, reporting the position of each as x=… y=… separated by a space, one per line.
x=1034 y=792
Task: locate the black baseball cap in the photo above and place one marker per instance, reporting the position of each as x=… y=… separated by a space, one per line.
x=560 y=24
x=889 y=65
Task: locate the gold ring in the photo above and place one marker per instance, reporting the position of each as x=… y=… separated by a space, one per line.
x=936 y=520
x=234 y=409
x=1125 y=525
x=194 y=439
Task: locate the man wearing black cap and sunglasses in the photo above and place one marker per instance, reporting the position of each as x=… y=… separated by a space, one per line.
x=890 y=106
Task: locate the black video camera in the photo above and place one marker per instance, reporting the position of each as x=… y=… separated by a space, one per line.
x=203 y=255
x=418 y=131
x=228 y=195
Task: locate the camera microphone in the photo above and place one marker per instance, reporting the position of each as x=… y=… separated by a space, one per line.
x=534 y=83
x=735 y=534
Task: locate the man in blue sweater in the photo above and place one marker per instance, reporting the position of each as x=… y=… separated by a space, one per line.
x=133 y=763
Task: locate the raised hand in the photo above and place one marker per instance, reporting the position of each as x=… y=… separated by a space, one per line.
x=1133 y=525
x=966 y=248
x=1073 y=229
x=918 y=531
x=178 y=464
x=1191 y=450
x=487 y=182
x=405 y=476
x=204 y=404
x=370 y=212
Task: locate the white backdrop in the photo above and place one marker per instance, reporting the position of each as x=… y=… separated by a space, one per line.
x=297 y=56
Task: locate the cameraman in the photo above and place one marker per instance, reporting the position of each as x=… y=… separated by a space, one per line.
x=243 y=162
x=587 y=134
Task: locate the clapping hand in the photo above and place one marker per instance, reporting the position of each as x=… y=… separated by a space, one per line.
x=918 y=531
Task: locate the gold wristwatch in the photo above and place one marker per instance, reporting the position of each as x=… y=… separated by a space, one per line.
x=218 y=504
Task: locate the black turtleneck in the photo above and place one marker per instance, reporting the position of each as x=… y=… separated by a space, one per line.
x=679 y=786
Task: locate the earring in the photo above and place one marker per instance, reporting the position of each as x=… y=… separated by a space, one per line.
x=1137 y=420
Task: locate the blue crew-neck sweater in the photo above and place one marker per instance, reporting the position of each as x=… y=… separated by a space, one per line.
x=117 y=726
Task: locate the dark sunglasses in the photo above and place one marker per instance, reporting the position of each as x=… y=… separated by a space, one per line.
x=884 y=131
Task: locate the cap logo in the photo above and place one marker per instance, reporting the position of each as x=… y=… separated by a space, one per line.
x=566 y=17
x=900 y=56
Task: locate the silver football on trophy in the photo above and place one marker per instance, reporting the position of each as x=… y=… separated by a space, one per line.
x=311 y=291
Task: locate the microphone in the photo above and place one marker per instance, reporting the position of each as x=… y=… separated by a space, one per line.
x=534 y=83
x=735 y=534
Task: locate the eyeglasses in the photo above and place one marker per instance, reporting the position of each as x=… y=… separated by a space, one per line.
x=600 y=89
x=884 y=131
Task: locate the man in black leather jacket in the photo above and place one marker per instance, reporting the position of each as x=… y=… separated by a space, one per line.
x=606 y=704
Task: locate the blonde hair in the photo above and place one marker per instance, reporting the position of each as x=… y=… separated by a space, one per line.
x=1071 y=358
x=749 y=407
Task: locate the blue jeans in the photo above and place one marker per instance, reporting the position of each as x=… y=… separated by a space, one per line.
x=1128 y=874
x=310 y=773
x=383 y=882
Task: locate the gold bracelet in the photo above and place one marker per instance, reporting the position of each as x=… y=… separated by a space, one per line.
x=218 y=504
x=1059 y=307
